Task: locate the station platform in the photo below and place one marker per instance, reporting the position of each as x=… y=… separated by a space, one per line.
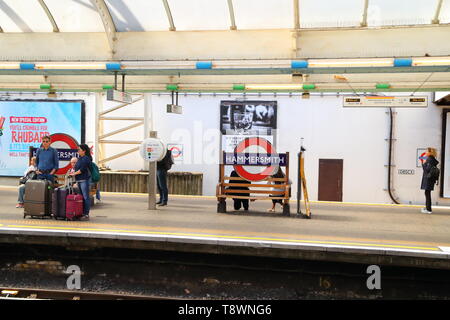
x=397 y=235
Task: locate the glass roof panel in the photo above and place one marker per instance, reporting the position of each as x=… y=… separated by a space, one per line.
x=23 y=16
x=200 y=14
x=138 y=15
x=75 y=15
x=332 y=14
x=267 y=14
x=400 y=12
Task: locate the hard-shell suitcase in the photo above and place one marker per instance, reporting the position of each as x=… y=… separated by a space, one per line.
x=59 y=196
x=37 y=200
x=74 y=206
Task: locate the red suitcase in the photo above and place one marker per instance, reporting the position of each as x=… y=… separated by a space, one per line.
x=74 y=206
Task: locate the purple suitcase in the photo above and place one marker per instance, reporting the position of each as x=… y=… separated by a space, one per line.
x=59 y=196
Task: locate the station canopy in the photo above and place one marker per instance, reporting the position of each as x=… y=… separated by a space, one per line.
x=189 y=15
x=226 y=30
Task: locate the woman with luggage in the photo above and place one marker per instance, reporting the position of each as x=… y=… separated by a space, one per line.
x=428 y=179
x=30 y=170
x=82 y=176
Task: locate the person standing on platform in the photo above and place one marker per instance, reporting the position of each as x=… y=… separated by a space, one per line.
x=429 y=177
x=161 y=176
x=82 y=176
x=46 y=161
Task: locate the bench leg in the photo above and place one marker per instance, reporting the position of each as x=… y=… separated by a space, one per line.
x=286 y=210
x=221 y=206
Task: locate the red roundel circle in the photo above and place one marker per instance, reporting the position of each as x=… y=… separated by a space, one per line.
x=63 y=141
x=421 y=157
x=258 y=142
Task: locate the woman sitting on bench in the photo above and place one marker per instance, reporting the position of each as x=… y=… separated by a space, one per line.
x=279 y=174
x=239 y=202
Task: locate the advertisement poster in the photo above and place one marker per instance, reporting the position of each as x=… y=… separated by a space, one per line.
x=242 y=119
x=23 y=123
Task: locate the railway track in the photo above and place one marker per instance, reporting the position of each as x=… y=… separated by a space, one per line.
x=45 y=294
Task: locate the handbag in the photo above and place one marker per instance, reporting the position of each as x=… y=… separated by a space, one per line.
x=29 y=176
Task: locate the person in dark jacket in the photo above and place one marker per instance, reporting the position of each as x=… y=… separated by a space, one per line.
x=428 y=182
x=239 y=202
x=82 y=175
x=161 y=177
x=278 y=174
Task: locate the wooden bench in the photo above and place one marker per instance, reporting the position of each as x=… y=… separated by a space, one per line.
x=257 y=191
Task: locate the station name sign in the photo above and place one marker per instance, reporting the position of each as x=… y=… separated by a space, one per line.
x=255 y=159
x=386 y=102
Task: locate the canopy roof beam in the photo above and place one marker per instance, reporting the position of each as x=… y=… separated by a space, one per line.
x=108 y=23
x=49 y=15
x=232 y=16
x=169 y=15
x=437 y=13
x=364 y=18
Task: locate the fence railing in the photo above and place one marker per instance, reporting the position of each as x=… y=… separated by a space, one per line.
x=187 y=183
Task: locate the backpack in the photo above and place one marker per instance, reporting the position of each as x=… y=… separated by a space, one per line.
x=168 y=160
x=434 y=173
x=95 y=173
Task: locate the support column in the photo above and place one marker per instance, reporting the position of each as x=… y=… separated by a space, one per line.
x=148 y=120
x=152 y=180
x=99 y=148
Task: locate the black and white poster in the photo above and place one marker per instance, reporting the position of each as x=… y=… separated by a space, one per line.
x=241 y=119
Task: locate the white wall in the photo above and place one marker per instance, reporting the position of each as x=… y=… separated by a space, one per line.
x=358 y=136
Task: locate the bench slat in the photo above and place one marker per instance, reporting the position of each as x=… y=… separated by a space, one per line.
x=242 y=179
x=248 y=185
x=254 y=191
x=252 y=198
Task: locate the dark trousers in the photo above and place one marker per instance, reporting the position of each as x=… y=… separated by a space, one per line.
x=239 y=202
x=161 y=177
x=428 y=199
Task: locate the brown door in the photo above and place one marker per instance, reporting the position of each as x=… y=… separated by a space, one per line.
x=330 y=179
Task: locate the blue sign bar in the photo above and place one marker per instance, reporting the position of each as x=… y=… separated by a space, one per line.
x=255 y=159
x=63 y=154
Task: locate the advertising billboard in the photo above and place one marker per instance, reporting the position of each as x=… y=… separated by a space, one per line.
x=24 y=123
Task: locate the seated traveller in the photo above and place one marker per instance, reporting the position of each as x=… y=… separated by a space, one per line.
x=69 y=180
x=29 y=173
x=278 y=174
x=239 y=202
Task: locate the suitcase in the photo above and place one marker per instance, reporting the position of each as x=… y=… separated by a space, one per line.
x=37 y=199
x=59 y=196
x=74 y=206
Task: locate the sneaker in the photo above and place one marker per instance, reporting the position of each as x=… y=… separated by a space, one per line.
x=19 y=205
x=84 y=218
x=424 y=210
x=162 y=204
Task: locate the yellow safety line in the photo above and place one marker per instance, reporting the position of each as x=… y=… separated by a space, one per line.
x=228 y=237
